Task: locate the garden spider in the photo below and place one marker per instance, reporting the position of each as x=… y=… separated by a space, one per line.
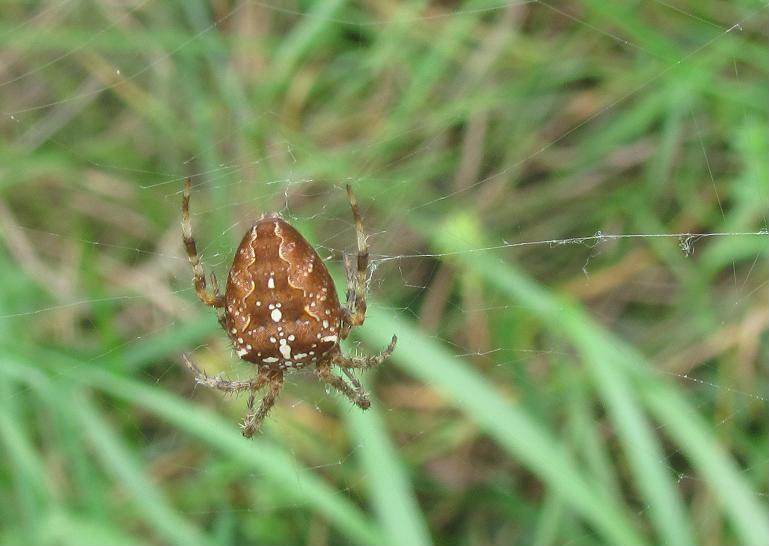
x=281 y=310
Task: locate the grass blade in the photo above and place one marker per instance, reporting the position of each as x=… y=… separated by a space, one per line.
x=276 y=465
x=602 y=353
x=388 y=483
x=147 y=498
x=507 y=423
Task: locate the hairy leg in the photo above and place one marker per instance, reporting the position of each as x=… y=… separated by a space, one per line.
x=253 y=420
x=202 y=378
x=358 y=397
x=365 y=361
x=355 y=309
x=199 y=277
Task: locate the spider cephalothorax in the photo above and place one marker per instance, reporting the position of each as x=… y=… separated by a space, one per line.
x=281 y=310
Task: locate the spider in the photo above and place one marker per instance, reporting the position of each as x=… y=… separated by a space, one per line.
x=281 y=310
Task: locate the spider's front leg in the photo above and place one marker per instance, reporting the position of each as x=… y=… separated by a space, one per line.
x=354 y=312
x=220 y=311
x=199 y=276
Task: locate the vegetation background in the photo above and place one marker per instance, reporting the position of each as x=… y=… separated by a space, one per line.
x=546 y=390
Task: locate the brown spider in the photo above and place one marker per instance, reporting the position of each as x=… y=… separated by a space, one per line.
x=281 y=310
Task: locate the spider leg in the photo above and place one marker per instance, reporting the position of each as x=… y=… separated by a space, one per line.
x=253 y=419
x=355 y=383
x=202 y=378
x=353 y=380
x=357 y=395
x=365 y=361
x=199 y=278
x=219 y=310
x=355 y=309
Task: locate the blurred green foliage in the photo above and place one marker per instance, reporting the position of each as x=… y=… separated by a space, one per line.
x=545 y=390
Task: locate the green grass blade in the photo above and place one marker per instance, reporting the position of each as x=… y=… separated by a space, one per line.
x=312 y=30
x=507 y=423
x=652 y=477
x=612 y=363
x=65 y=528
x=685 y=427
x=388 y=484
x=147 y=497
x=21 y=455
x=277 y=465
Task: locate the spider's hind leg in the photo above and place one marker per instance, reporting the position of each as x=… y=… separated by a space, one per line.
x=253 y=420
x=224 y=385
x=356 y=395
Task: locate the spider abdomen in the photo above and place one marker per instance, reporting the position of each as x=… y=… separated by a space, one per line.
x=281 y=306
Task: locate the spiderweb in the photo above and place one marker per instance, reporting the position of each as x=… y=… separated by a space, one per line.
x=526 y=136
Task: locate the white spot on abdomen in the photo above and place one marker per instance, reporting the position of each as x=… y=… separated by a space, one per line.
x=285 y=349
x=270 y=283
x=276 y=315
